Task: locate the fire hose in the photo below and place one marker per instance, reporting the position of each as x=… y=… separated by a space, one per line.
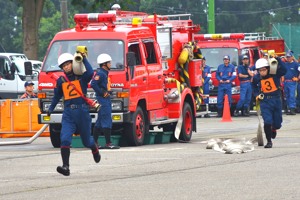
x=28 y=141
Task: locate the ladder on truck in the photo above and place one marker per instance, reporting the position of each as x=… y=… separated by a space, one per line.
x=258 y=36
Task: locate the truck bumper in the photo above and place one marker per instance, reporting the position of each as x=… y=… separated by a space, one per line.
x=56 y=118
x=213 y=102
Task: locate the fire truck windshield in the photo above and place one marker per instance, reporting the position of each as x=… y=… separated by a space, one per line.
x=214 y=56
x=115 y=48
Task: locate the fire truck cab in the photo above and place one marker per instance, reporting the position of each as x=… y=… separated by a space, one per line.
x=144 y=75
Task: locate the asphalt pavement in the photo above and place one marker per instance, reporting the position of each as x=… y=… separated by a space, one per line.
x=160 y=171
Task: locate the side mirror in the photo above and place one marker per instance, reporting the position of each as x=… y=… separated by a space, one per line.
x=13 y=68
x=131 y=60
x=28 y=68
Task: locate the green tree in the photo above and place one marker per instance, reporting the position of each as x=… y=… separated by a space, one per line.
x=196 y=8
x=32 y=12
x=10 y=27
x=253 y=16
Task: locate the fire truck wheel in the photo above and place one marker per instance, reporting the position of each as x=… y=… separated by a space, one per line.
x=136 y=130
x=187 y=123
x=55 y=134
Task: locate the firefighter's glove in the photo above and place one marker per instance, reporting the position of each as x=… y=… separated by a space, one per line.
x=295 y=79
x=106 y=94
x=82 y=50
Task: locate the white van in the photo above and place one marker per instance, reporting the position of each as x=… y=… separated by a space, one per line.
x=12 y=75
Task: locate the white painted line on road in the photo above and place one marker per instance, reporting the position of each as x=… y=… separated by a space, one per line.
x=158 y=158
x=52 y=172
x=125 y=149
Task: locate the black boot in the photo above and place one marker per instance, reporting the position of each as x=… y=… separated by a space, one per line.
x=96 y=154
x=220 y=113
x=64 y=170
x=269 y=145
x=236 y=113
x=65 y=155
x=293 y=112
x=109 y=145
x=96 y=133
x=268 y=133
x=246 y=112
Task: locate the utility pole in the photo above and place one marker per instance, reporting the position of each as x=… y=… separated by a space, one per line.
x=64 y=14
x=211 y=16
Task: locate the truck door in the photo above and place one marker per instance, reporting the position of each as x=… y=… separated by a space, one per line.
x=139 y=75
x=8 y=82
x=155 y=79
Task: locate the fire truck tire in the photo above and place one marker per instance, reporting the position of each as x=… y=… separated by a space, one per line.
x=187 y=123
x=135 y=131
x=55 y=134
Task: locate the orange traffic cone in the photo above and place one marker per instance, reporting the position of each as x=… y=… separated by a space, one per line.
x=226 y=111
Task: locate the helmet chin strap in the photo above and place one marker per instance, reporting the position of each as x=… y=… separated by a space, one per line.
x=105 y=67
x=69 y=73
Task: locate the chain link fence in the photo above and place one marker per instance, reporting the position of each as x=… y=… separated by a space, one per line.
x=290 y=33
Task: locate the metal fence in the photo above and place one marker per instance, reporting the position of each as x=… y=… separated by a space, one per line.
x=290 y=33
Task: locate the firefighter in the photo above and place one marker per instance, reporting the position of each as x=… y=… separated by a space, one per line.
x=266 y=88
x=290 y=83
x=245 y=75
x=101 y=85
x=225 y=75
x=29 y=86
x=76 y=117
x=206 y=75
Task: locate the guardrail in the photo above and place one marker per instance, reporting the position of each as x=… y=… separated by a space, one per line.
x=18 y=118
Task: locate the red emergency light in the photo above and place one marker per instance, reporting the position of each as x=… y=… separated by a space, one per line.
x=220 y=36
x=94 y=18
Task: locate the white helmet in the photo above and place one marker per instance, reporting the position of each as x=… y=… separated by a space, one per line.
x=262 y=62
x=103 y=58
x=64 y=58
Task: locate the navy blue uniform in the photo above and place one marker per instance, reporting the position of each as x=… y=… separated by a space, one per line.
x=290 y=84
x=76 y=117
x=271 y=107
x=206 y=74
x=100 y=84
x=224 y=73
x=245 y=88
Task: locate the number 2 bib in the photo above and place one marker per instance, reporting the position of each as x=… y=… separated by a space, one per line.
x=268 y=85
x=69 y=89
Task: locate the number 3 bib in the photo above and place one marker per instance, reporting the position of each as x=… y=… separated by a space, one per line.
x=69 y=89
x=268 y=85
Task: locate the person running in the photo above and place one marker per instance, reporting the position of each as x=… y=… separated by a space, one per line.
x=266 y=89
x=76 y=117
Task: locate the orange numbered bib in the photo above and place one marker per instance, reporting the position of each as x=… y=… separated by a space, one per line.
x=69 y=89
x=268 y=85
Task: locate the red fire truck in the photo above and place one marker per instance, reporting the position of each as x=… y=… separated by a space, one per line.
x=215 y=46
x=146 y=91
